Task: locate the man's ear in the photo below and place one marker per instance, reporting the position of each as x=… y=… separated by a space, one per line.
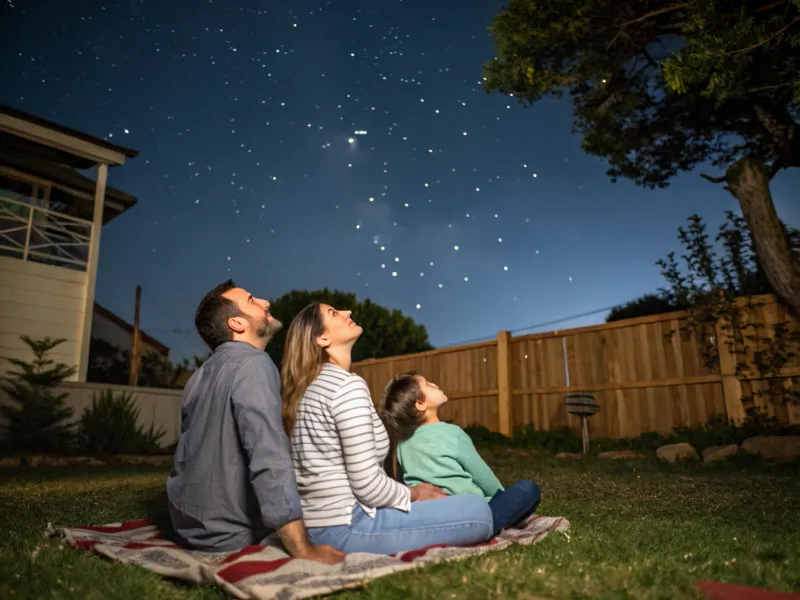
x=237 y=324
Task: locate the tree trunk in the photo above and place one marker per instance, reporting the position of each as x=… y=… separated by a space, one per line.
x=748 y=181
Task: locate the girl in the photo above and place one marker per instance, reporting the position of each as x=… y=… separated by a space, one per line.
x=338 y=448
x=442 y=454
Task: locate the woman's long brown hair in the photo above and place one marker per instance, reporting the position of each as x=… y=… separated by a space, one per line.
x=302 y=360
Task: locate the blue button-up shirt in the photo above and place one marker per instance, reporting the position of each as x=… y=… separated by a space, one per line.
x=232 y=483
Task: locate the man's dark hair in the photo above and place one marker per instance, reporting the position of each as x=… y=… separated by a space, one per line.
x=212 y=314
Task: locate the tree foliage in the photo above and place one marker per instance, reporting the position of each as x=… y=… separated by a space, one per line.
x=649 y=304
x=111 y=364
x=705 y=271
x=732 y=267
x=658 y=88
x=386 y=332
x=721 y=291
x=37 y=418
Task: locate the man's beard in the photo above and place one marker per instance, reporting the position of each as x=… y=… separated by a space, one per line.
x=266 y=329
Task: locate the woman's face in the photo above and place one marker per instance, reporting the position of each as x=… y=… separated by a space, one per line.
x=340 y=329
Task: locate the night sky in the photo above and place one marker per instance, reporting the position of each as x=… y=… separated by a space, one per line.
x=347 y=144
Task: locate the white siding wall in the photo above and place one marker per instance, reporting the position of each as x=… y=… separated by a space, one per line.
x=161 y=408
x=40 y=301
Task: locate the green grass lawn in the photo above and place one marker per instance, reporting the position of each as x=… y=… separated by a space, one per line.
x=639 y=530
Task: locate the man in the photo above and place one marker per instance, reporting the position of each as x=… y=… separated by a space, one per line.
x=233 y=483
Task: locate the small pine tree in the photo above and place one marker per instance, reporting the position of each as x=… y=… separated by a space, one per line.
x=35 y=421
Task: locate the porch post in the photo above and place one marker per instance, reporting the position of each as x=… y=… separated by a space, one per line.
x=91 y=268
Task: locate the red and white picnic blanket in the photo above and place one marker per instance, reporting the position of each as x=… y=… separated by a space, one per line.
x=266 y=572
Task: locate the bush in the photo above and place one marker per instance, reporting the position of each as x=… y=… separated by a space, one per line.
x=552 y=441
x=37 y=419
x=111 y=426
x=482 y=435
x=717 y=431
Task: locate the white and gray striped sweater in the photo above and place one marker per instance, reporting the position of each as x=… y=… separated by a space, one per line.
x=338 y=447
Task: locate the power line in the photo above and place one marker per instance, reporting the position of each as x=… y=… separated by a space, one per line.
x=539 y=325
x=563 y=319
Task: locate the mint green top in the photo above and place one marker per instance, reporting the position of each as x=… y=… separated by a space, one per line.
x=442 y=454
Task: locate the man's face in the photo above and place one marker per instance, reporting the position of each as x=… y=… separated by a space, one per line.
x=256 y=316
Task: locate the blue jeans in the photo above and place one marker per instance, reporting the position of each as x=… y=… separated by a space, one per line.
x=515 y=503
x=455 y=521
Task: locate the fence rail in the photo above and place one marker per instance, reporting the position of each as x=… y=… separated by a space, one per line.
x=30 y=232
x=646 y=373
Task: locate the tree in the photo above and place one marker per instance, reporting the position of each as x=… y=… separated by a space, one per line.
x=736 y=271
x=658 y=88
x=111 y=364
x=36 y=420
x=719 y=290
x=649 y=304
x=386 y=333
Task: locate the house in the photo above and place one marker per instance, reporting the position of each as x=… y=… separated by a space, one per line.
x=51 y=217
x=116 y=331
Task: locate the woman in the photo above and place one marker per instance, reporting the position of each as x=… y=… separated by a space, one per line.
x=339 y=445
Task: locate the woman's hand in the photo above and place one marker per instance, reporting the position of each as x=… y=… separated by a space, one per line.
x=426 y=491
x=324 y=554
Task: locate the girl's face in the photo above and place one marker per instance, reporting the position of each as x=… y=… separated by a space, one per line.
x=432 y=396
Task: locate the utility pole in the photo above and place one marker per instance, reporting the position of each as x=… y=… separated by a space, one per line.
x=133 y=375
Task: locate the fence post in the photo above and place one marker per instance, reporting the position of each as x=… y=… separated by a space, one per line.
x=731 y=386
x=505 y=419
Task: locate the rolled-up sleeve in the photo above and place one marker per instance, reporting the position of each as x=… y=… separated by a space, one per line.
x=256 y=401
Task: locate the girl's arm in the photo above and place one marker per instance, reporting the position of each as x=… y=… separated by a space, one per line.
x=481 y=473
x=353 y=411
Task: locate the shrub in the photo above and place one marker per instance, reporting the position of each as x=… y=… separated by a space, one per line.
x=717 y=431
x=482 y=435
x=553 y=441
x=37 y=418
x=111 y=426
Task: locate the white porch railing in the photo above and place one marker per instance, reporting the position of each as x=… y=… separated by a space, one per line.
x=37 y=234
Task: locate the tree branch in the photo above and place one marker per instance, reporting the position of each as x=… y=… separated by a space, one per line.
x=764 y=41
x=655 y=13
x=713 y=179
x=649 y=58
x=769 y=6
x=766 y=88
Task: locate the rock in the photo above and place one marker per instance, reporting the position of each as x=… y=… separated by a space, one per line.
x=54 y=461
x=35 y=461
x=719 y=452
x=78 y=461
x=778 y=448
x=570 y=455
x=94 y=462
x=618 y=454
x=673 y=452
x=10 y=461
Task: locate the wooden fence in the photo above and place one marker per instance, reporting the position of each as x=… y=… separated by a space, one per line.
x=643 y=378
